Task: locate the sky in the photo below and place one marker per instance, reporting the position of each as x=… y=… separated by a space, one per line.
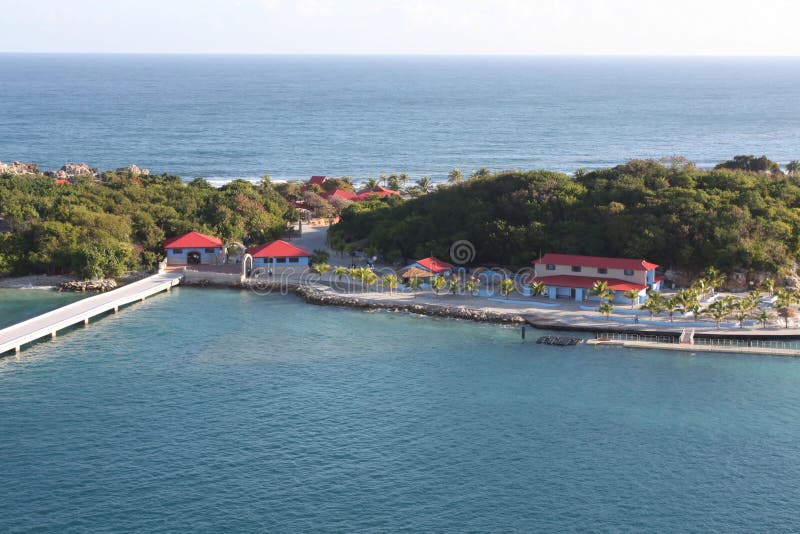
x=532 y=27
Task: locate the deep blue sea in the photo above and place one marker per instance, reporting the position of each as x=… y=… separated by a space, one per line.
x=219 y=410
x=294 y=116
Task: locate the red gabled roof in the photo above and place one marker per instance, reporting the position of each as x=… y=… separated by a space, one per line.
x=193 y=240
x=586 y=282
x=376 y=191
x=62 y=181
x=278 y=249
x=318 y=180
x=435 y=265
x=340 y=193
x=596 y=261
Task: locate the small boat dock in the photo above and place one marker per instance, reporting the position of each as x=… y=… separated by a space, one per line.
x=48 y=324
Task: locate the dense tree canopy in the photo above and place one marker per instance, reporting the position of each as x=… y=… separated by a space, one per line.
x=670 y=213
x=102 y=228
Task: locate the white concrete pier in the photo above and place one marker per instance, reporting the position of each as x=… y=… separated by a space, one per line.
x=48 y=324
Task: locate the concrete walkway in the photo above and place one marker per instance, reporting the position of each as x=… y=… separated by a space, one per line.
x=48 y=324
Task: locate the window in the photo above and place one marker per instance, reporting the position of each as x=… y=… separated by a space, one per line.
x=551 y=267
x=265 y=260
x=628 y=272
x=294 y=260
x=602 y=270
x=177 y=251
x=210 y=250
x=576 y=268
x=280 y=260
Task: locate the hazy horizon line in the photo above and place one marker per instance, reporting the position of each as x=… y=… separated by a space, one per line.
x=400 y=54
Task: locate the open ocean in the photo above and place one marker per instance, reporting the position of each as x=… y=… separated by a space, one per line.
x=222 y=410
x=294 y=116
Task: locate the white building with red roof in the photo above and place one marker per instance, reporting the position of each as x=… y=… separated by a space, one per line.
x=279 y=254
x=571 y=276
x=193 y=248
x=434 y=266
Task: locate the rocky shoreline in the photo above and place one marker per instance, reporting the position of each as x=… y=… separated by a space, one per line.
x=321 y=297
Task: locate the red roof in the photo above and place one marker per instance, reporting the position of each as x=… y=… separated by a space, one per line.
x=376 y=191
x=278 y=249
x=193 y=240
x=62 y=181
x=586 y=282
x=596 y=261
x=318 y=180
x=341 y=193
x=435 y=265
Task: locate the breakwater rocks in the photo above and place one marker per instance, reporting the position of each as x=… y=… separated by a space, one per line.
x=316 y=296
x=88 y=285
x=18 y=168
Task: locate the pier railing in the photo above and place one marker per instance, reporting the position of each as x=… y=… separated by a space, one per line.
x=749 y=343
x=713 y=342
x=626 y=336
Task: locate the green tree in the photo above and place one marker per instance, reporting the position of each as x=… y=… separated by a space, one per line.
x=471 y=285
x=319 y=255
x=600 y=290
x=390 y=281
x=633 y=296
x=764 y=316
x=455 y=176
x=438 y=283
x=537 y=288
x=424 y=184
x=605 y=309
x=414 y=284
x=320 y=268
x=793 y=168
x=506 y=286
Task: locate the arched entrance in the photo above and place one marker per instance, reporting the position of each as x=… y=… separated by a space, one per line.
x=193 y=258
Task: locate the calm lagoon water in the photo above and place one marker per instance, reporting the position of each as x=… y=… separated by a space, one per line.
x=19 y=304
x=294 y=116
x=213 y=410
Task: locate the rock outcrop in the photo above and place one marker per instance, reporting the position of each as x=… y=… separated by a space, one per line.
x=18 y=168
x=73 y=170
x=134 y=170
x=89 y=285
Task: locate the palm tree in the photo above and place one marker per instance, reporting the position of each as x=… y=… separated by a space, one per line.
x=403 y=178
x=695 y=308
x=455 y=176
x=320 y=268
x=370 y=184
x=471 y=285
x=713 y=278
x=793 y=167
x=653 y=305
x=340 y=271
x=506 y=286
x=670 y=306
x=718 y=311
x=633 y=296
x=763 y=317
x=768 y=285
x=424 y=184
x=600 y=290
x=537 y=288
x=483 y=172
x=438 y=284
x=369 y=277
x=414 y=284
x=453 y=286
x=382 y=178
x=391 y=281
x=606 y=308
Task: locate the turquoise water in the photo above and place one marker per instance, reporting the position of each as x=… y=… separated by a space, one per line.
x=19 y=304
x=295 y=116
x=211 y=410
